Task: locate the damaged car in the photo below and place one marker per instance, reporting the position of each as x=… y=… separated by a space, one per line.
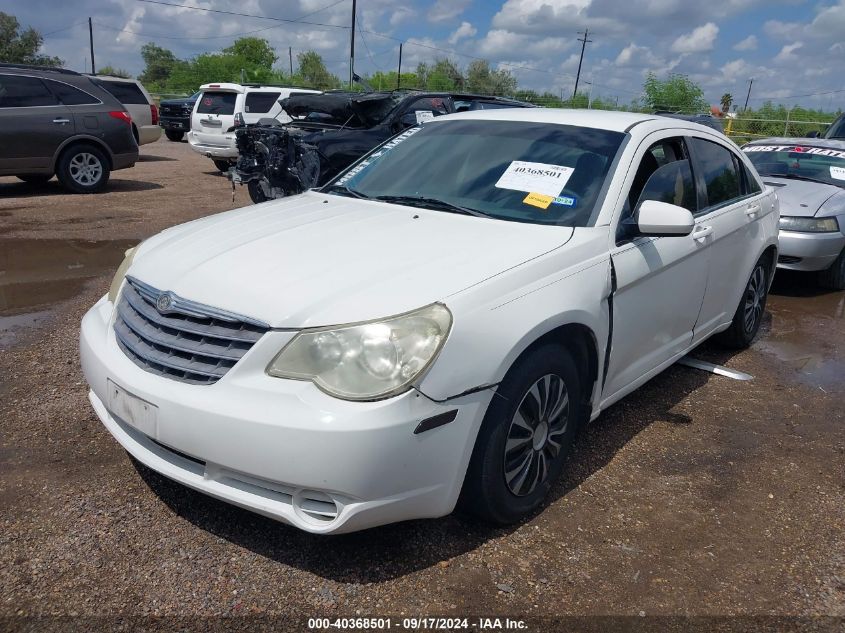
x=330 y=131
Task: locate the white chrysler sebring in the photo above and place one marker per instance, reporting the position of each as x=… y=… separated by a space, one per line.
x=436 y=324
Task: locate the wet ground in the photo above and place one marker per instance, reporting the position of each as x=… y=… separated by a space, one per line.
x=696 y=496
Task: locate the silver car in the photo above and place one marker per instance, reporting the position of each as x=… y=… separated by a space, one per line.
x=809 y=177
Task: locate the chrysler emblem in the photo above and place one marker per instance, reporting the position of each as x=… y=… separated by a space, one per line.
x=164 y=302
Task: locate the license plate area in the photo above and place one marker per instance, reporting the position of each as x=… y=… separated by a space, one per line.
x=132 y=410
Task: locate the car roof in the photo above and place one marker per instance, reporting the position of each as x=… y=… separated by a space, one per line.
x=599 y=119
x=29 y=68
x=113 y=78
x=827 y=143
x=222 y=85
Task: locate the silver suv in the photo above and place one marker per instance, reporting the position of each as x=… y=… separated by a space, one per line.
x=57 y=122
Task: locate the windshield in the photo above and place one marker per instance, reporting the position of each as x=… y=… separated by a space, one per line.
x=837 y=130
x=819 y=164
x=521 y=171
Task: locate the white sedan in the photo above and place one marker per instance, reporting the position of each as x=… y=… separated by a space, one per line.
x=435 y=325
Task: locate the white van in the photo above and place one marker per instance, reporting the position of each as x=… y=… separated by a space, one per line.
x=213 y=120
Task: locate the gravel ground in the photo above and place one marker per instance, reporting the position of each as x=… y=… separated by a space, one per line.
x=696 y=496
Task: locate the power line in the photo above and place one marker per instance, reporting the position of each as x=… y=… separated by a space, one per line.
x=298 y=20
x=64 y=28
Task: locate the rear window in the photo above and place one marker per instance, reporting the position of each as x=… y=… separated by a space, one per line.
x=69 y=95
x=217 y=103
x=260 y=102
x=24 y=92
x=124 y=91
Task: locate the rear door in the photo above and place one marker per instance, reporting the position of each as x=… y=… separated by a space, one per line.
x=214 y=113
x=734 y=203
x=33 y=124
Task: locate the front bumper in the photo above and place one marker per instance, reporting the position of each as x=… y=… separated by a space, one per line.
x=213 y=145
x=181 y=125
x=283 y=448
x=808 y=251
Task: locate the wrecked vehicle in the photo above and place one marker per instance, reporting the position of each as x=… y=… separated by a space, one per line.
x=330 y=131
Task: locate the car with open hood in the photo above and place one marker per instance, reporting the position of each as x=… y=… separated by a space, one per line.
x=809 y=177
x=437 y=323
x=320 y=135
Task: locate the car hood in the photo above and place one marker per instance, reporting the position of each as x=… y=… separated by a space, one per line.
x=177 y=102
x=317 y=259
x=803 y=198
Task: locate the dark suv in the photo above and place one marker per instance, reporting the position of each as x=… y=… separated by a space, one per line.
x=55 y=121
x=175 y=116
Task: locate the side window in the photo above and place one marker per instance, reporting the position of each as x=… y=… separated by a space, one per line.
x=69 y=95
x=124 y=91
x=24 y=92
x=750 y=186
x=260 y=102
x=719 y=170
x=664 y=174
x=435 y=105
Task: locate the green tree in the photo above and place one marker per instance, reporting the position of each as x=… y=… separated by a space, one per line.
x=21 y=46
x=445 y=75
x=387 y=80
x=677 y=93
x=255 y=51
x=159 y=66
x=726 y=101
x=114 y=72
x=481 y=79
x=312 y=72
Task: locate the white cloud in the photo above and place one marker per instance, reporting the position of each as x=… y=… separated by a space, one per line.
x=445 y=10
x=699 y=40
x=633 y=55
x=787 y=53
x=748 y=44
x=464 y=30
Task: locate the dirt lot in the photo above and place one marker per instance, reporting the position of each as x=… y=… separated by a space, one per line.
x=695 y=496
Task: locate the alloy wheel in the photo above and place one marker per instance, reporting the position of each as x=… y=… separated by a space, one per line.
x=85 y=169
x=755 y=297
x=535 y=433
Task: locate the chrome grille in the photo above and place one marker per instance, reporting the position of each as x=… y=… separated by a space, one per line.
x=181 y=339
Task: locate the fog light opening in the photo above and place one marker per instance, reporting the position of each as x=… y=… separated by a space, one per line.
x=315 y=506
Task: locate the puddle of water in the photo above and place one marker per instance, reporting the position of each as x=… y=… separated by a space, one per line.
x=808 y=333
x=35 y=274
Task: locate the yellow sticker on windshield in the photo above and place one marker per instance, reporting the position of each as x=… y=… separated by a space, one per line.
x=538 y=200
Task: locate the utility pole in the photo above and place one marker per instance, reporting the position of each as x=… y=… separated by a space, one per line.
x=580 y=61
x=748 y=96
x=290 y=59
x=399 y=72
x=91 y=42
x=352 y=47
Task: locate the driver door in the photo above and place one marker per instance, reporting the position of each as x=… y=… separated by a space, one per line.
x=660 y=282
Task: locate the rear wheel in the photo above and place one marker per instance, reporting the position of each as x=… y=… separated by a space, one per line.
x=834 y=277
x=34 y=179
x=752 y=306
x=526 y=436
x=174 y=135
x=222 y=165
x=83 y=169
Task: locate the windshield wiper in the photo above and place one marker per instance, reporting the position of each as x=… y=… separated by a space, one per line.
x=426 y=202
x=346 y=191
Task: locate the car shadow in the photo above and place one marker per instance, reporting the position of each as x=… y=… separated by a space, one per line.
x=54 y=188
x=391 y=551
x=152 y=158
x=793 y=283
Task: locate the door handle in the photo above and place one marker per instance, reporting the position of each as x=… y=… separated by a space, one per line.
x=701 y=232
x=61 y=121
x=752 y=210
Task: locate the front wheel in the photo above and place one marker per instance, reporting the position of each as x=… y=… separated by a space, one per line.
x=222 y=165
x=834 y=277
x=83 y=169
x=526 y=436
x=174 y=135
x=752 y=306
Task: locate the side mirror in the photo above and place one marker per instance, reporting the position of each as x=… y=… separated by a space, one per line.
x=813 y=134
x=661 y=219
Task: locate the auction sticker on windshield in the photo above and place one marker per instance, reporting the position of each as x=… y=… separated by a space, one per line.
x=530 y=177
x=837 y=173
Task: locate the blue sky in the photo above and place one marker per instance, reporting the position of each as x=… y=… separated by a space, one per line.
x=789 y=47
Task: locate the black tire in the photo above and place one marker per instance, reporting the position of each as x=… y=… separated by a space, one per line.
x=68 y=169
x=256 y=193
x=174 y=135
x=222 y=165
x=492 y=488
x=834 y=277
x=34 y=179
x=752 y=306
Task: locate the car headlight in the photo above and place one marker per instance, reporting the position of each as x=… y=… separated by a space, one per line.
x=366 y=361
x=120 y=274
x=808 y=225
